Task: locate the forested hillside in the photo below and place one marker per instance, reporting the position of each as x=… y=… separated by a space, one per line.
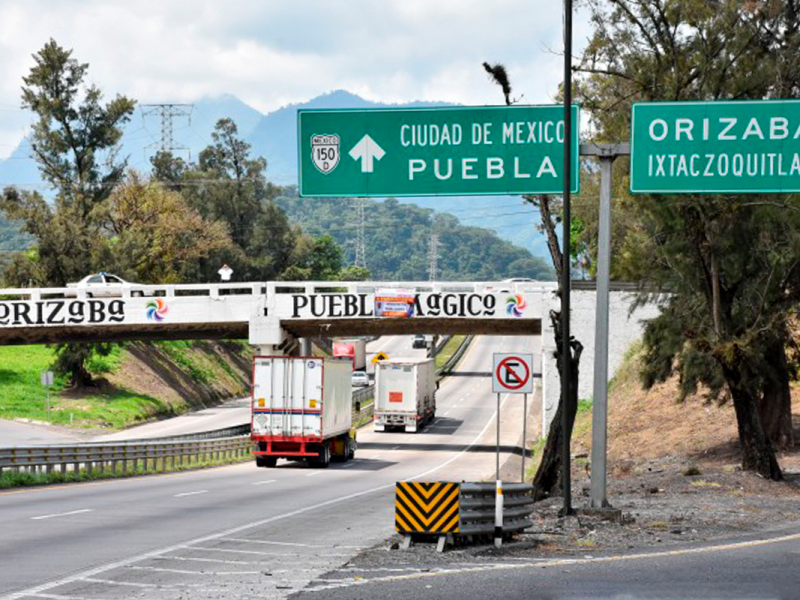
x=398 y=239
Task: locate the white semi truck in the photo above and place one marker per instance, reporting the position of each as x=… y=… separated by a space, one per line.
x=302 y=410
x=405 y=393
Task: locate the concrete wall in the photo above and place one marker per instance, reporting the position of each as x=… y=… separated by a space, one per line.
x=624 y=329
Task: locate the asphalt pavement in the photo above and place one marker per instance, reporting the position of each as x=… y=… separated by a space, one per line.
x=240 y=531
x=761 y=567
x=16 y=433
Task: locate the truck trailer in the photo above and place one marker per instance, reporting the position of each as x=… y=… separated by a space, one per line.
x=302 y=409
x=355 y=349
x=405 y=393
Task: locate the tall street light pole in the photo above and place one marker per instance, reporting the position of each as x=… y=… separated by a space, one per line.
x=566 y=355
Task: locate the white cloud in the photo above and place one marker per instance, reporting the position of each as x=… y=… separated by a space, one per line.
x=272 y=52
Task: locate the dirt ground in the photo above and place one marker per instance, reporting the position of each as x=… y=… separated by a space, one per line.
x=674 y=475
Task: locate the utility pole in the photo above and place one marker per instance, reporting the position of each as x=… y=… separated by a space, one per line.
x=606 y=153
x=566 y=351
x=433 y=257
x=361 y=247
x=168 y=112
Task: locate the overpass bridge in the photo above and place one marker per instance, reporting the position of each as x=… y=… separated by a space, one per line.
x=274 y=316
x=267 y=313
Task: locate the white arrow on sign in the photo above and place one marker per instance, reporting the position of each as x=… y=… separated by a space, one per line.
x=367 y=150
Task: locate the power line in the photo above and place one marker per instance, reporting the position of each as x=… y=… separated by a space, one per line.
x=433 y=256
x=361 y=249
x=168 y=112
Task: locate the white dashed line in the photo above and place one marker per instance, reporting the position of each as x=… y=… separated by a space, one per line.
x=190 y=493
x=314 y=474
x=64 y=514
x=264 y=482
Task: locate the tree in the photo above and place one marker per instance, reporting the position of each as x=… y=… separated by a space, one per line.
x=228 y=185
x=155 y=237
x=547 y=480
x=74 y=142
x=725 y=322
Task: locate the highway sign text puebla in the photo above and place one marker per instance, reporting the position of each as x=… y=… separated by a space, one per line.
x=716 y=147
x=450 y=151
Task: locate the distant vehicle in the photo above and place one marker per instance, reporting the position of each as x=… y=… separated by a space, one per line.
x=520 y=280
x=405 y=393
x=103 y=284
x=418 y=341
x=355 y=349
x=302 y=409
x=359 y=379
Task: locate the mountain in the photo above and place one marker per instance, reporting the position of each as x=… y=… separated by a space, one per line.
x=397 y=239
x=274 y=136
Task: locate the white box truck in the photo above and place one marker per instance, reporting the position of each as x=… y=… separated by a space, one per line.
x=302 y=408
x=355 y=349
x=405 y=393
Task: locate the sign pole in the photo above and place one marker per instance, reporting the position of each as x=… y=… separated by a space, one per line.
x=600 y=392
x=524 y=434
x=566 y=408
x=497 y=457
x=48 y=402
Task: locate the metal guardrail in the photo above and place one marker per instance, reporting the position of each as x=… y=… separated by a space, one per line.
x=451 y=363
x=477 y=507
x=463 y=511
x=226 y=443
x=123 y=457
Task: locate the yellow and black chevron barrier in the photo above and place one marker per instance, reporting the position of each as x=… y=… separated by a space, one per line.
x=426 y=507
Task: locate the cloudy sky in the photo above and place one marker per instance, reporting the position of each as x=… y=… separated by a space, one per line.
x=270 y=53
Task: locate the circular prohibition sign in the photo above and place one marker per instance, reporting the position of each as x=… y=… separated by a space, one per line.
x=511 y=379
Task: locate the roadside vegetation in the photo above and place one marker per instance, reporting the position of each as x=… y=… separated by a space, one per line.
x=449 y=349
x=134 y=383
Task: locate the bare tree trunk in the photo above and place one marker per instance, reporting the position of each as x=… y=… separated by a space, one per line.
x=757 y=452
x=547 y=481
x=775 y=408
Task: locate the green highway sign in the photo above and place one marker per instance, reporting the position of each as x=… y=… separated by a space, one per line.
x=750 y=146
x=453 y=151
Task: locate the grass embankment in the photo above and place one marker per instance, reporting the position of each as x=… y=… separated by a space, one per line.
x=136 y=382
x=448 y=350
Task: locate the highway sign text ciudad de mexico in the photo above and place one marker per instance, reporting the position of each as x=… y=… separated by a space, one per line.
x=716 y=147
x=441 y=151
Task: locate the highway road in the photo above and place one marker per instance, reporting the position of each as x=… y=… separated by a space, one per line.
x=240 y=531
x=237 y=412
x=765 y=567
x=15 y=433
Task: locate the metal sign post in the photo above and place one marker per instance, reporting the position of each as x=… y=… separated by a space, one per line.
x=47 y=380
x=524 y=435
x=606 y=153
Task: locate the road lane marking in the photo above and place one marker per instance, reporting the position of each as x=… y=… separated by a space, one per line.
x=211 y=560
x=314 y=474
x=396 y=448
x=160 y=570
x=566 y=562
x=190 y=493
x=64 y=514
x=264 y=482
x=255 y=552
x=128 y=562
x=112 y=582
x=295 y=544
x=348 y=465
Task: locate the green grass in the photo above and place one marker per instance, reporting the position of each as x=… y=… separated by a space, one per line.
x=179 y=353
x=449 y=349
x=23 y=396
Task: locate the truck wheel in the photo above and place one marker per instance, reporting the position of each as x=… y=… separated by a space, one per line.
x=266 y=461
x=324 y=460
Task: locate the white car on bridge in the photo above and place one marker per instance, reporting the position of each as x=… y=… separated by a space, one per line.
x=103 y=285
